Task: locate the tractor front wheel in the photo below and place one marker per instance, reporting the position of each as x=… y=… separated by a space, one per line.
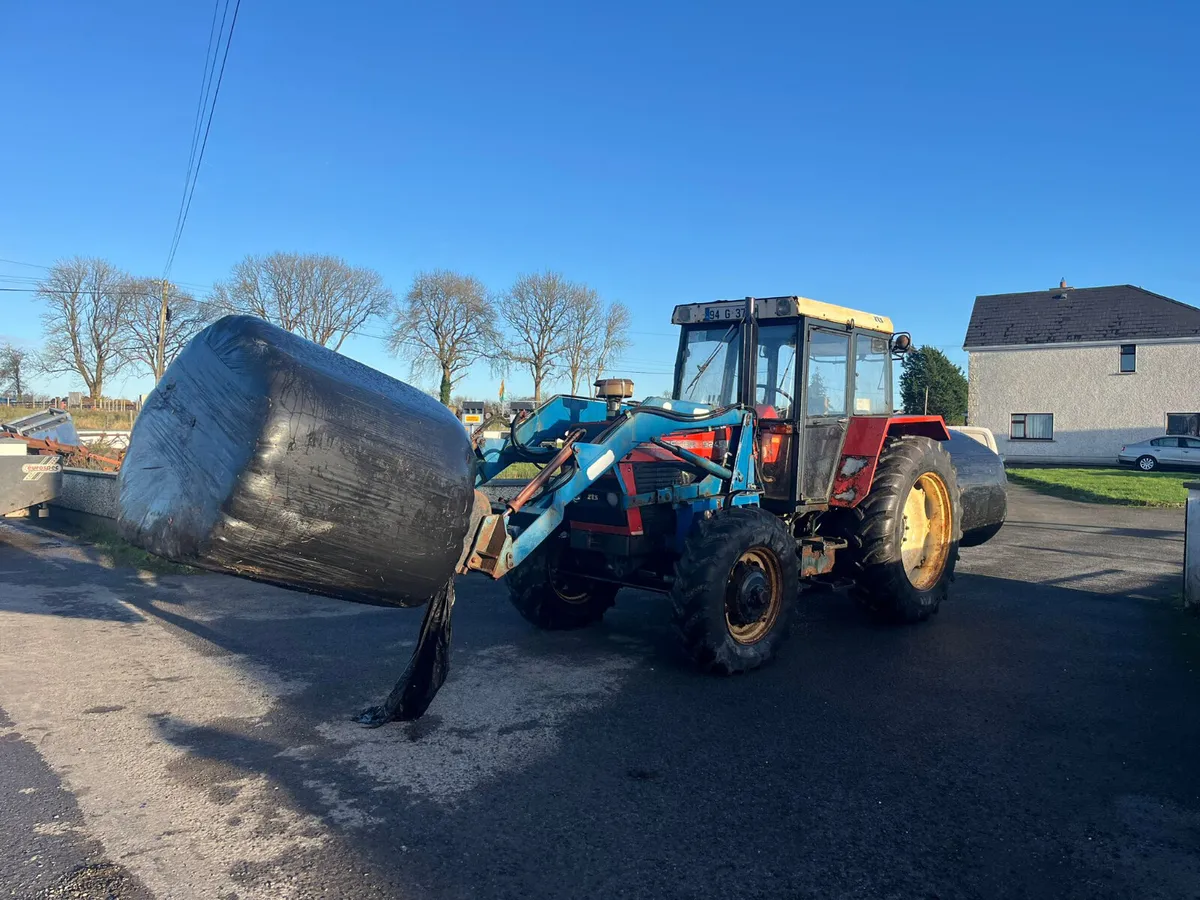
x=735 y=589
x=556 y=600
x=910 y=529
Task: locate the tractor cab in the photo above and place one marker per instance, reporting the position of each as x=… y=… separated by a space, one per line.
x=805 y=367
x=775 y=459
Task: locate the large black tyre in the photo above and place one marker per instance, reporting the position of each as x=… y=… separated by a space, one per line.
x=553 y=600
x=735 y=589
x=910 y=531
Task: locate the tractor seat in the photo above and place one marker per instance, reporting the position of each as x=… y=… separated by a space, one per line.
x=764 y=411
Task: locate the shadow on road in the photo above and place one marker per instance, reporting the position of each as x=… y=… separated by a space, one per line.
x=1011 y=741
x=1020 y=743
x=1163 y=534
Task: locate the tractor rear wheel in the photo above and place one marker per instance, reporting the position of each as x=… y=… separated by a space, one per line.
x=735 y=589
x=910 y=529
x=556 y=600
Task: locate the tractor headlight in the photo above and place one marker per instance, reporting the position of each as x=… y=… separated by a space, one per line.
x=612 y=499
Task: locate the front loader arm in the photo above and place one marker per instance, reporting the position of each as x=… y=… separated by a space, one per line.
x=553 y=420
x=494 y=550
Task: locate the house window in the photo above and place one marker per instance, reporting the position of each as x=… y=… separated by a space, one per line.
x=1032 y=427
x=1183 y=423
x=1128 y=359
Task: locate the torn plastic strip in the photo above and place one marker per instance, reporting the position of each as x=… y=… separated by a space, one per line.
x=426 y=670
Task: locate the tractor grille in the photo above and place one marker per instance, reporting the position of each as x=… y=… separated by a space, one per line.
x=654 y=476
x=593 y=506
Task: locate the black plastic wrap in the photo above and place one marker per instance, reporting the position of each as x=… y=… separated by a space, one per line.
x=426 y=670
x=983 y=485
x=267 y=456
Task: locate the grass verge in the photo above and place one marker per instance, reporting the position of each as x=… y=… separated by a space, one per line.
x=120 y=552
x=99 y=420
x=1124 y=487
x=521 y=470
x=84 y=419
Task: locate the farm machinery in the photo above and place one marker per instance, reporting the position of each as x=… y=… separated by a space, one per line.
x=33 y=451
x=775 y=462
x=777 y=459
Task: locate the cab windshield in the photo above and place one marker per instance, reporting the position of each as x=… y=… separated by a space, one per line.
x=709 y=364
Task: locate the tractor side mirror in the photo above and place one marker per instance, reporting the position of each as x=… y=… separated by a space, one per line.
x=900 y=343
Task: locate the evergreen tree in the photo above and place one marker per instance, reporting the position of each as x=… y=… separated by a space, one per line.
x=931 y=368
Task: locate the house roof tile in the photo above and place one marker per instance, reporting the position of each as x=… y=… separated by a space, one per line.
x=1119 y=312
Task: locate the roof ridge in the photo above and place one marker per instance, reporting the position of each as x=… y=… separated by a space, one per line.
x=1094 y=287
x=1138 y=287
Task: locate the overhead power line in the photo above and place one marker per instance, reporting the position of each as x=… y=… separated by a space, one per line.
x=210 y=65
x=196 y=157
x=81 y=292
x=17 y=262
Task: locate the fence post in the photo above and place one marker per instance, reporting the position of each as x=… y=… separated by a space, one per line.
x=1191 y=547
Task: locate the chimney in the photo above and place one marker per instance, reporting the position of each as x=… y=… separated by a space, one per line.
x=1063 y=284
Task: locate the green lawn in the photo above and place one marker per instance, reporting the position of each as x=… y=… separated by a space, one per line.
x=1125 y=487
x=523 y=470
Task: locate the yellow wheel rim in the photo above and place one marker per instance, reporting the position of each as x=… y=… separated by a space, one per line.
x=925 y=546
x=753 y=596
x=565 y=591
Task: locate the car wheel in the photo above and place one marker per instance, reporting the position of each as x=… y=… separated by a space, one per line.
x=1147 y=463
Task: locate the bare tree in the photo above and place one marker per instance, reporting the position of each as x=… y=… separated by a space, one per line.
x=322 y=298
x=583 y=335
x=614 y=339
x=444 y=325
x=12 y=366
x=537 y=309
x=85 y=302
x=140 y=326
x=597 y=335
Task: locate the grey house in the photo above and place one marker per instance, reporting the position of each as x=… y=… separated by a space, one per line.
x=1069 y=375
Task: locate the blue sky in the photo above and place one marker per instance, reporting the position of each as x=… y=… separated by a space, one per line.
x=899 y=158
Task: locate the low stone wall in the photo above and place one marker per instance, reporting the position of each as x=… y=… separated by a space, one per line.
x=95 y=493
x=86 y=492
x=89 y=493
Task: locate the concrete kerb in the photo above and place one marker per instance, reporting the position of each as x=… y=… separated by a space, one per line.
x=1191 y=547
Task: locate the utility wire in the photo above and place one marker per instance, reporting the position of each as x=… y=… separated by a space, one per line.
x=206 y=74
x=210 y=64
x=190 y=188
x=17 y=262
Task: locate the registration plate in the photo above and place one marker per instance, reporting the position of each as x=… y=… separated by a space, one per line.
x=723 y=313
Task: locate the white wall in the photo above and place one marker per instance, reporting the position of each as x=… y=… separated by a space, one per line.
x=1096 y=408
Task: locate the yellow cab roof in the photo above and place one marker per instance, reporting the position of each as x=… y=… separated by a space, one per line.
x=781 y=308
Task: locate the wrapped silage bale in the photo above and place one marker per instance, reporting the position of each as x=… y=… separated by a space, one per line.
x=265 y=455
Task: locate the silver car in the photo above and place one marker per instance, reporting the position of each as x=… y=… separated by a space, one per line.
x=1168 y=450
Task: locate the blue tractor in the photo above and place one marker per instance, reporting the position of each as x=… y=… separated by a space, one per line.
x=776 y=458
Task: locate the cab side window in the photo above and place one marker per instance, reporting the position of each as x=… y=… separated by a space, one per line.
x=828 y=354
x=872 y=387
x=776 y=370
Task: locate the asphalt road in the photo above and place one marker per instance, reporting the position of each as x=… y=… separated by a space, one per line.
x=190 y=736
